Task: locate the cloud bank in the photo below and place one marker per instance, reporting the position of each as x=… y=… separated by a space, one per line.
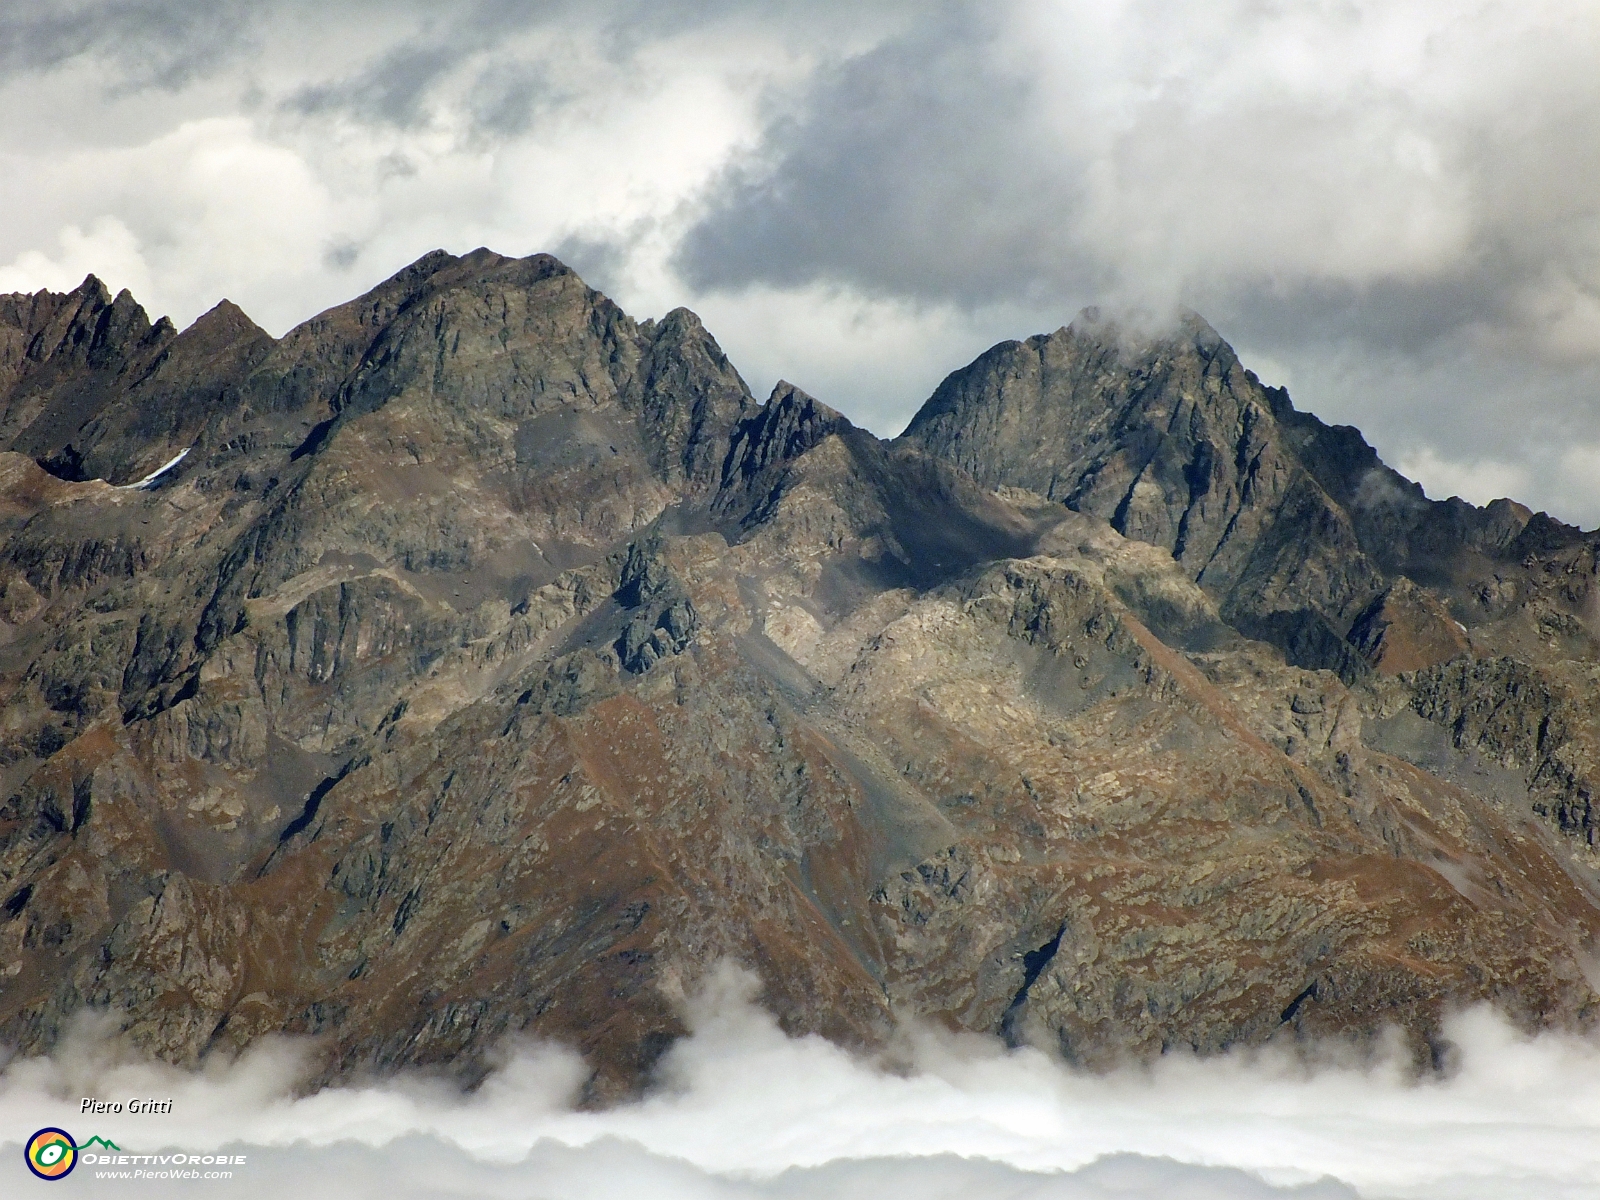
x=743 y=1112
x=1392 y=206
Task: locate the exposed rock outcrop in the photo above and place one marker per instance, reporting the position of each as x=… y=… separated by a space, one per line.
x=493 y=662
x=1406 y=628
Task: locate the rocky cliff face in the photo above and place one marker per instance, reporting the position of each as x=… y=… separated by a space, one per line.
x=491 y=662
x=1174 y=443
x=1294 y=527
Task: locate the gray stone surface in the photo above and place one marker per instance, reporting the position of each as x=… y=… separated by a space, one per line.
x=492 y=662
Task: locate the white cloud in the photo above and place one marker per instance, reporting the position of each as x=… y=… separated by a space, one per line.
x=874 y=356
x=1479 y=481
x=204 y=210
x=107 y=249
x=746 y=1112
x=287 y=210
x=1577 y=481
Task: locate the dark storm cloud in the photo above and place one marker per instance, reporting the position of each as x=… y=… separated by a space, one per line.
x=393 y=90
x=395 y=87
x=600 y=263
x=1390 y=315
x=506 y=98
x=497 y=43
x=906 y=170
x=402 y=52
x=932 y=166
x=385 y=77
x=154 y=42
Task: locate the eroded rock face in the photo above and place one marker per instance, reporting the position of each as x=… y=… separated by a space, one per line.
x=491 y=662
x=1173 y=442
x=1408 y=628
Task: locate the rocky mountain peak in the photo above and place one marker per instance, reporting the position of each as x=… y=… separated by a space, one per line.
x=501 y=658
x=1168 y=438
x=86 y=327
x=224 y=319
x=692 y=397
x=93 y=289
x=1048 y=412
x=1295 y=527
x=63 y=357
x=785 y=427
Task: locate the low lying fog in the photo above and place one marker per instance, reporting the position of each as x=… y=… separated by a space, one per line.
x=743 y=1112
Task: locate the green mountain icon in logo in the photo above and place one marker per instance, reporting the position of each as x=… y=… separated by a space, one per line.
x=98 y=1141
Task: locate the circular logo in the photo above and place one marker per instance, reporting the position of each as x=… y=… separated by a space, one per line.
x=51 y=1154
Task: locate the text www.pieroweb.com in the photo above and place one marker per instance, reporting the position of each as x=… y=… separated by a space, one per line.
x=147 y=1167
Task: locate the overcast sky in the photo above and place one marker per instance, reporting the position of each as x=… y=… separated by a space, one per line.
x=1390 y=206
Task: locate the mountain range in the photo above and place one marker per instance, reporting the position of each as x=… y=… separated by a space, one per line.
x=476 y=660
